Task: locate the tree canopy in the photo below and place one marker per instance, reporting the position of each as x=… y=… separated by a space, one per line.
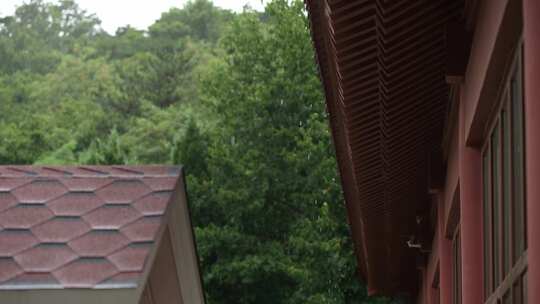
x=234 y=97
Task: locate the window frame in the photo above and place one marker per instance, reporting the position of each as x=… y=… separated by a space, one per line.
x=507 y=284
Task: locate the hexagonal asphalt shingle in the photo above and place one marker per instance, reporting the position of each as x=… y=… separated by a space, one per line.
x=112 y=216
x=98 y=243
x=142 y=230
x=8 y=184
x=25 y=216
x=131 y=258
x=60 y=229
x=161 y=184
x=7 y=200
x=45 y=257
x=8 y=269
x=153 y=203
x=37 y=279
x=75 y=203
x=123 y=191
x=85 y=272
x=40 y=191
x=15 y=241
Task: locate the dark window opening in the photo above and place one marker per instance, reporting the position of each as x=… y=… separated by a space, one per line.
x=456 y=260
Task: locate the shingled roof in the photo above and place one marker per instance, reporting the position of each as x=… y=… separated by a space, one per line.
x=92 y=227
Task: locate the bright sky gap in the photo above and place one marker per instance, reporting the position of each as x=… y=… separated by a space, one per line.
x=138 y=13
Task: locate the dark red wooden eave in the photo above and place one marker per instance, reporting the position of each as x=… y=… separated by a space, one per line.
x=383 y=67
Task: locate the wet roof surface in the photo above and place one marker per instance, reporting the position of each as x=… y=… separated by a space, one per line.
x=80 y=227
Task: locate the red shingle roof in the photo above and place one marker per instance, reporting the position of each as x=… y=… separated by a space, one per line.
x=80 y=227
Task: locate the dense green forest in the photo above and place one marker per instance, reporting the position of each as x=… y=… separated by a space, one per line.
x=235 y=97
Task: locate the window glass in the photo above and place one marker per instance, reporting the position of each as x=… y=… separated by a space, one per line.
x=518 y=292
x=506 y=298
x=507 y=193
x=486 y=222
x=518 y=165
x=496 y=174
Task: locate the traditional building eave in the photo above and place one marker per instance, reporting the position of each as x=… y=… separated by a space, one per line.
x=384 y=68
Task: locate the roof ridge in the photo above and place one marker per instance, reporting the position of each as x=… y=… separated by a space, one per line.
x=119 y=171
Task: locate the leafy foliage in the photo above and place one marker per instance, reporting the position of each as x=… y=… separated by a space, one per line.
x=234 y=97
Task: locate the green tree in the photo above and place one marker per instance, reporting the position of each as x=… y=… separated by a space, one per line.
x=110 y=151
x=39 y=32
x=236 y=98
x=275 y=211
x=199 y=19
x=126 y=42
